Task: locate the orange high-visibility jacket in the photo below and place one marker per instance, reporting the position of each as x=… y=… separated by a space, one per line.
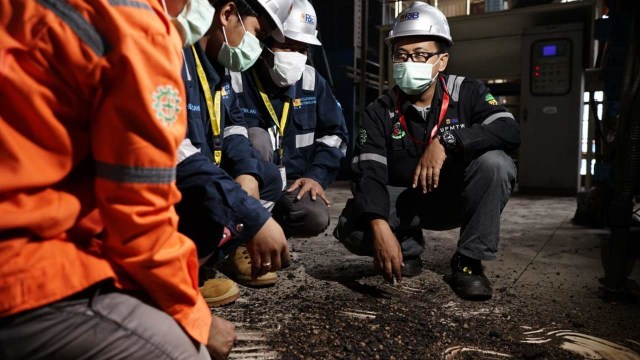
x=91 y=116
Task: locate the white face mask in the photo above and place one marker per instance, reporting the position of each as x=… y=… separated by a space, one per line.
x=288 y=67
x=194 y=21
x=413 y=78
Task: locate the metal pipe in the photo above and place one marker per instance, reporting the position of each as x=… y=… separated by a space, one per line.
x=382 y=58
x=364 y=15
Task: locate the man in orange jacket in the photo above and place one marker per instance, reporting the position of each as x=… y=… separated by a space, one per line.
x=91 y=263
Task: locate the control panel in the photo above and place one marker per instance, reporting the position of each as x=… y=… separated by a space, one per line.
x=551 y=96
x=550 y=71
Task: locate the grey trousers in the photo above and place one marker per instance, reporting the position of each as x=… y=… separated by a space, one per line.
x=298 y=218
x=96 y=324
x=301 y=218
x=470 y=195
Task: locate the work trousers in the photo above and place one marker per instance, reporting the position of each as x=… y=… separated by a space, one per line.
x=298 y=218
x=470 y=195
x=97 y=323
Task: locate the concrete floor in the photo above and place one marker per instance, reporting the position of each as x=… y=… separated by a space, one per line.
x=546 y=302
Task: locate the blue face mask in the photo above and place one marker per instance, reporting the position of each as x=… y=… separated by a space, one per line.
x=243 y=56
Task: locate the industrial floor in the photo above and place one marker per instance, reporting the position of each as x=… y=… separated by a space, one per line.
x=547 y=304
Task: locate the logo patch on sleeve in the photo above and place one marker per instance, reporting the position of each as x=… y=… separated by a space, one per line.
x=490 y=99
x=362 y=136
x=166 y=103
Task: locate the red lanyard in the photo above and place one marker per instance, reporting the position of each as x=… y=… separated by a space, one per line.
x=443 y=112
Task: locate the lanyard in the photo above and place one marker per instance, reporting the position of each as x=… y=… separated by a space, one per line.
x=443 y=111
x=213 y=106
x=283 y=120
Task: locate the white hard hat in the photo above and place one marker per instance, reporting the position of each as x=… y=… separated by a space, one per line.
x=420 y=19
x=301 y=23
x=278 y=11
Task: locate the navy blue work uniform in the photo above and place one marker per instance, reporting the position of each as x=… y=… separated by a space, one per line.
x=313 y=145
x=475 y=179
x=211 y=199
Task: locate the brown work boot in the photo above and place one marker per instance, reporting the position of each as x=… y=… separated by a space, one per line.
x=238 y=267
x=218 y=292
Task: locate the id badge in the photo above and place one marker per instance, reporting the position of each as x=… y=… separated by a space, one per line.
x=283 y=176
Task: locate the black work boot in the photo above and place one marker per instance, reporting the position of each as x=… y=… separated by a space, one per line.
x=412 y=266
x=468 y=280
x=412 y=241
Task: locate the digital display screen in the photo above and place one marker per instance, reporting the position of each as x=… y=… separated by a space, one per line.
x=550 y=50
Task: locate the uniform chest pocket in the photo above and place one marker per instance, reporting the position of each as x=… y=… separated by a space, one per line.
x=302 y=130
x=304 y=119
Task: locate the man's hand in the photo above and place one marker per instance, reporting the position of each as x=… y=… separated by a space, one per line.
x=312 y=187
x=268 y=249
x=222 y=336
x=387 y=254
x=428 y=169
x=249 y=184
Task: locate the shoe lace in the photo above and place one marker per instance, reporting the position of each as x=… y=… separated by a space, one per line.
x=245 y=255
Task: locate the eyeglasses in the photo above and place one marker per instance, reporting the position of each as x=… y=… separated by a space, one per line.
x=418 y=57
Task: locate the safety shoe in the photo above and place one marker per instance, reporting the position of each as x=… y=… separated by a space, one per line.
x=468 y=280
x=218 y=292
x=412 y=267
x=238 y=267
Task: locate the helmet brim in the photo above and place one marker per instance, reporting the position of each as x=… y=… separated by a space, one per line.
x=390 y=39
x=278 y=32
x=304 y=38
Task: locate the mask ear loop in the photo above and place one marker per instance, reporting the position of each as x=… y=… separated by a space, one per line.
x=245 y=29
x=224 y=33
x=241 y=23
x=444 y=86
x=186 y=68
x=265 y=60
x=184 y=58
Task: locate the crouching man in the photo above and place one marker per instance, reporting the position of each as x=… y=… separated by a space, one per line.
x=431 y=153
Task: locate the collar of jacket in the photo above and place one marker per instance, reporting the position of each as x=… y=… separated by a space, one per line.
x=272 y=90
x=210 y=70
x=289 y=92
x=390 y=98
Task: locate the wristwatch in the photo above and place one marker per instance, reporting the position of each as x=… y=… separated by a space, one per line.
x=449 y=141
